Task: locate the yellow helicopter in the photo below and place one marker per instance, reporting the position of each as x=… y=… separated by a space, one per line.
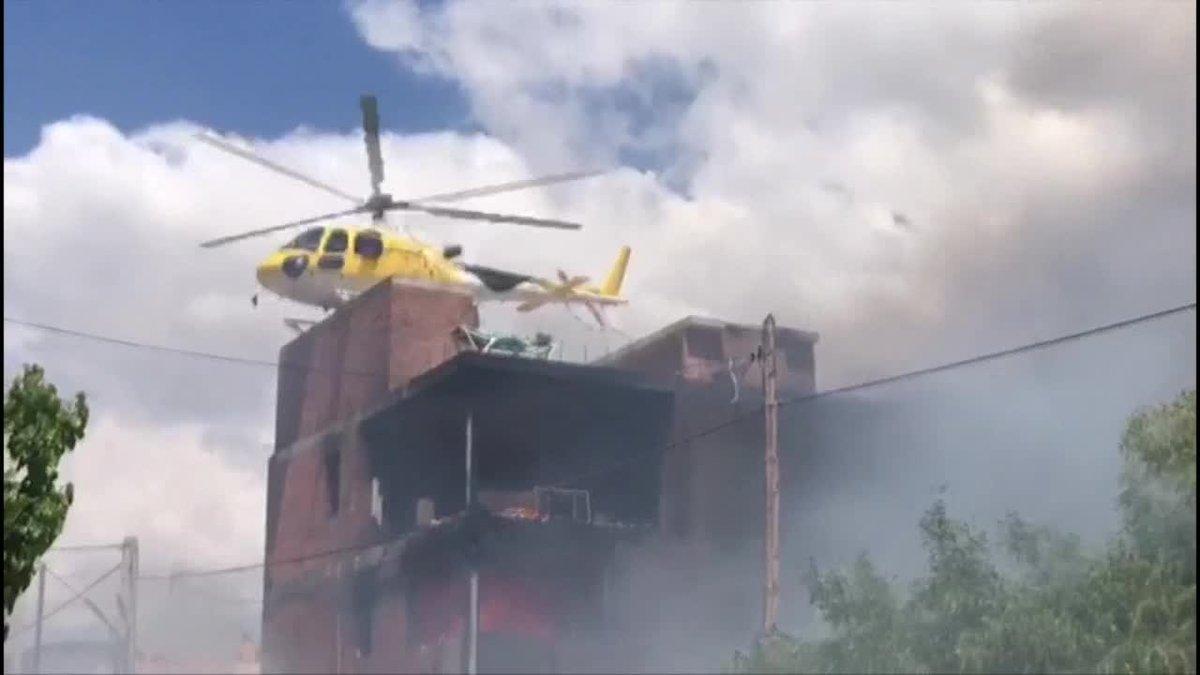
x=326 y=266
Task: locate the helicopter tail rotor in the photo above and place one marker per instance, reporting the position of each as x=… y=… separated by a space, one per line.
x=565 y=291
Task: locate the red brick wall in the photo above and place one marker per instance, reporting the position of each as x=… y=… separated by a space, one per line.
x=670 y=358
x=336 y=370
x=349 y=362
x=389 y=651
x=305 y=524
x=712 y=484
x=299 y=638
x=420 y=329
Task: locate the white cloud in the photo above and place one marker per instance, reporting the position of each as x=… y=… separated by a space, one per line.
x=815 y=124
x=178 y=494
x=1047 y=173
x=190 y=507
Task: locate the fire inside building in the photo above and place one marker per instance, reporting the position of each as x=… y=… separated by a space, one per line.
x=435 y=508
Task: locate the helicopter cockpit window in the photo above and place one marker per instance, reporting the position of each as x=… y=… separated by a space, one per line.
x=337 y=242
x=309 y=240
x=368 y=244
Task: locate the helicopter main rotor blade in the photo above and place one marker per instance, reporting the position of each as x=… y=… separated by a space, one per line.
x=464 y=214
x=247 y=155
x=267 y=230
x=446 y=197
x=370 y=113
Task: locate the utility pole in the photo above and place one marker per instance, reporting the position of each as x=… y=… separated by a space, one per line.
x=470 y=461
x=473 y=628
x=768 y=364
x=37 y=630
x=337 y=643
x=473 y=580
x=128 y=599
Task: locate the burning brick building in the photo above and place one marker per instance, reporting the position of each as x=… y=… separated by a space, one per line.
x=428 y=505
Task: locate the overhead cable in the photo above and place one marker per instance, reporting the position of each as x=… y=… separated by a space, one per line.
x=177 y=350
x=740 y=418
x=621 y=464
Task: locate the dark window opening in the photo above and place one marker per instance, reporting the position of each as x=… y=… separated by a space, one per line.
x=309 y=240
x=704 y=343
x=333 y=480
x=368 y=244
x=398 y=515
x=337 y=242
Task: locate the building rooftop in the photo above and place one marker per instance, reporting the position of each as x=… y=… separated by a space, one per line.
x=695 y=321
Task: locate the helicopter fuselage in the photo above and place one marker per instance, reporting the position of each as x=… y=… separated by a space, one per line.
x=326 y=266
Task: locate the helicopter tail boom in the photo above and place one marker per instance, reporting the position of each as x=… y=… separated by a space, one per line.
x=612 y=285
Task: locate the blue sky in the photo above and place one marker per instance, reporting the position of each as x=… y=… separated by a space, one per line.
x=259 y=68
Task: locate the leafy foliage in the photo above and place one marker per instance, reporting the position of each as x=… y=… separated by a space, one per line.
x=1128 y=609
x=39 y=428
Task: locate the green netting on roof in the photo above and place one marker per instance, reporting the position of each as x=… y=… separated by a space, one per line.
x=541 y=346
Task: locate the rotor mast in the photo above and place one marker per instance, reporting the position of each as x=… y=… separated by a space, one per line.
x=378 y=202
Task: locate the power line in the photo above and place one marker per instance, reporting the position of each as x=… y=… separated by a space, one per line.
x=1002 y=353
x=253 y=566
x=711 y=430
x=1041 y=344
x=178 y=351
x=1012 y=351
x=278 y=364
x=217 y=597
x=139 y=345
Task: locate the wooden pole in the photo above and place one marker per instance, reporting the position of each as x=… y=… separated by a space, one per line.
x=470 y=460
x=337 y=642
x=771 y=536
x=473 y=578
x=473 y=627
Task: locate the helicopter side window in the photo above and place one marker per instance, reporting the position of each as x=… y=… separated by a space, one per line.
x=368 y=244
x=337 y=242
x=309 y=240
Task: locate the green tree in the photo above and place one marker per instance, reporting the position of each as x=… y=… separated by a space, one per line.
x=1127 y=609
x=39 y=428
x=1152 y=571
